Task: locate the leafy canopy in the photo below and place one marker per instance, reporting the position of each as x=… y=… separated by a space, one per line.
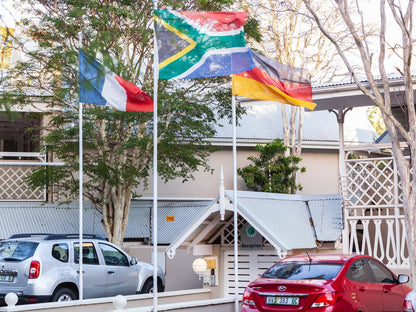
x=272 y=171
x=117 y=146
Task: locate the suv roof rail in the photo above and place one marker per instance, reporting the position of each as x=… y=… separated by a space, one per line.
x=22 y=235
x=63 y=236
x=50 y=236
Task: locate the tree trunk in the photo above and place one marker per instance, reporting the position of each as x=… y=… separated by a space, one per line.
x=291 y=138
x=286 y=132
x=115 y=213
x=404 y=20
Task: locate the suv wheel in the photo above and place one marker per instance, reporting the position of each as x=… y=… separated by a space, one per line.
x=148 y=287
x=63 y=294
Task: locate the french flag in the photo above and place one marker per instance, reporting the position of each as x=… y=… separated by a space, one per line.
x=97 y=85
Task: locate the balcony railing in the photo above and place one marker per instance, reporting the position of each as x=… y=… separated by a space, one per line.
x=14 y=169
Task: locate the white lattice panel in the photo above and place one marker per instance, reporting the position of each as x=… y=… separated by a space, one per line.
x=370 y=182
x=14 y=186
x=374 y=210
x=227 y=232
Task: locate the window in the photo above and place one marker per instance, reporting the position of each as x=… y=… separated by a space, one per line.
x=113 y=256
x=60 y=252
x=19 y=135
x=89 y=254
x=381 y=273
x=17 y=250
x=303 y=270
x=360 y=272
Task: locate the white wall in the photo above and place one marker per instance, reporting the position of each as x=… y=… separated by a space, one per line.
x=321 y=175
x=178 y=271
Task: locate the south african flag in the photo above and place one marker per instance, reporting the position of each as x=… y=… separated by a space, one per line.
x=201 y=44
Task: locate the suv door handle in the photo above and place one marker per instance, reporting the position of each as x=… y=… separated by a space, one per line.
x=111 y=272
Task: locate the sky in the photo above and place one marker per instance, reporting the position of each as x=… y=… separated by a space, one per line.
x=8 y=16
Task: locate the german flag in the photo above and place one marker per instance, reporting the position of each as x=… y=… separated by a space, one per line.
x=273 y=81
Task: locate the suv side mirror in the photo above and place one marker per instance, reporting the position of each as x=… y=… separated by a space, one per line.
x=403 y=278
x=133 y=261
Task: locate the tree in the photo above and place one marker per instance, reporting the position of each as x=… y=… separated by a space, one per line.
x=117 y=145
x=272 y=171
x=391 y=50
x=290 y=38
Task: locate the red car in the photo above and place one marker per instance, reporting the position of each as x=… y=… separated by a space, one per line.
x=323 y=283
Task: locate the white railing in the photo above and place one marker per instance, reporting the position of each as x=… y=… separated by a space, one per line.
x=23 y=155
x=374 y=207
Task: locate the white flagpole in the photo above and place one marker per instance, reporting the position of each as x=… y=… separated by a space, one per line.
x=81 y=173
x=155 y=174
x=237 y=307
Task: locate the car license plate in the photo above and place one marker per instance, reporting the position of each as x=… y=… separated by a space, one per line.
x=6 y=278
x=283 y=300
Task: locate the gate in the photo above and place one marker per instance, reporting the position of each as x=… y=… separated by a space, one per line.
x=251 y=264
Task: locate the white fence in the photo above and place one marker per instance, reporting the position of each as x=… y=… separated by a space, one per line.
x=196 y=300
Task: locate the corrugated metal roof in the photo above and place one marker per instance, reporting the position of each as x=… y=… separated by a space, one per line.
x=263 y=121
x=327 y=217
x=285 y=217
x=184 y=213
x=394 y=77
x=282 y=219
x=285 y=223
x=37 y=217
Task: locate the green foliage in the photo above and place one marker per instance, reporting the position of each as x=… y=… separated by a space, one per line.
x=272 y=171
x=118 y=146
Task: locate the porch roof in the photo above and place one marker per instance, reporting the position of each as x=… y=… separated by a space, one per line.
x=286 y=221
x=340 y=95
x=345 y=94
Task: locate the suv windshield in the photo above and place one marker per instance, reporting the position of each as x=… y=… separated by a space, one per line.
x=303 y=270
x=16 y=250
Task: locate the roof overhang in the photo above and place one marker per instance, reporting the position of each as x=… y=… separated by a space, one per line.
x=346 y=94
x=343 y=95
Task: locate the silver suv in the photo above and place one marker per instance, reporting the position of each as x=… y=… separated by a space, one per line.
x=45 y=267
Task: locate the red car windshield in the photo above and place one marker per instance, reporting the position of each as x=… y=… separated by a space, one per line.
x=303 y=270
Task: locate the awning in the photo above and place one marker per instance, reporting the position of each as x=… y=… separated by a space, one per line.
x=287 y=221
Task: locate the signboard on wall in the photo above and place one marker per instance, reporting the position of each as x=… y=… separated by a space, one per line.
x=250 y=238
